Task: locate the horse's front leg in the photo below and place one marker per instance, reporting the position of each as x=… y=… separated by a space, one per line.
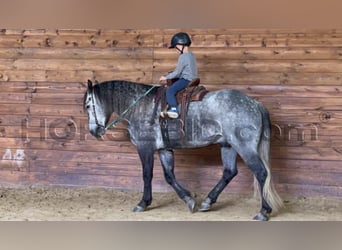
x=147 y=160
x=167 y=161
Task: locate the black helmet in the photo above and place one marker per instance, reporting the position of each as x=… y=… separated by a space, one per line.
x=180 y=38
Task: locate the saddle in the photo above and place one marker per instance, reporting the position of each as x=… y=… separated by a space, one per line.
x=194 y=92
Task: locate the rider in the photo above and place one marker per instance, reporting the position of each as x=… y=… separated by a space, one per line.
x=185 y=71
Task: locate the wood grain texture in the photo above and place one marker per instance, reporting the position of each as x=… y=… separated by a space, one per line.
x=44 y=139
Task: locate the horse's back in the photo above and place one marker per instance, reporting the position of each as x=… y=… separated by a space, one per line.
x=230 y=102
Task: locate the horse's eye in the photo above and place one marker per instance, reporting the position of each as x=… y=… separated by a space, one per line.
x=88 y=106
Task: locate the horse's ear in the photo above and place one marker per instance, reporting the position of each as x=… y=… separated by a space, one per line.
x=90 y=84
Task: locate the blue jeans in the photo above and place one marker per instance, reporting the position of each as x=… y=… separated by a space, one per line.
x=173 y=89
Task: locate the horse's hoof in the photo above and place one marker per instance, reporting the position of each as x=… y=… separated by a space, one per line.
x=205 y=205
x=138 y=209
x=261 y=217
x=191 y=204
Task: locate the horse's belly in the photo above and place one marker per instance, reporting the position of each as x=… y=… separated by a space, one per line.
x=194 y=133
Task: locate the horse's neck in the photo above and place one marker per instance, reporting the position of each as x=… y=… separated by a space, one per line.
x=122 y=95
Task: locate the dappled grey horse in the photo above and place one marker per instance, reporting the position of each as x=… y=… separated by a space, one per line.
x=239 y=124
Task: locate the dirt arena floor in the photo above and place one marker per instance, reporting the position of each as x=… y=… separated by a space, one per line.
x=99 y=204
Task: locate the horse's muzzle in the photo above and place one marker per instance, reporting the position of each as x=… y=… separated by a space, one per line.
x=98 y=131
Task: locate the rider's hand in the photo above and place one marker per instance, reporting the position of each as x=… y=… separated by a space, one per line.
x=162 y=78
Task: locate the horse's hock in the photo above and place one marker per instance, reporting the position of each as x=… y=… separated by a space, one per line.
x=45 y=140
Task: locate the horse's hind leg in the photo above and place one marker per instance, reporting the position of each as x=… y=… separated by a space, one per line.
x=254 y=162
x=167 y=161
x=228 y=155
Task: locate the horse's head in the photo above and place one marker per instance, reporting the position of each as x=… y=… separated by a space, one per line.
x=97 y=115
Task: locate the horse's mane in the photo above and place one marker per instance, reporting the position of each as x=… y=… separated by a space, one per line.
x=117 y=93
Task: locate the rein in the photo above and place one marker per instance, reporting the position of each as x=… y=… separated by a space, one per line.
x=118 y=120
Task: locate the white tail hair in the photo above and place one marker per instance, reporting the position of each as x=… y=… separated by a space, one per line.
x=269 y=193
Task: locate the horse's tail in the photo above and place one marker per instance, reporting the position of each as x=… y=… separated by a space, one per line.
x=269 y=192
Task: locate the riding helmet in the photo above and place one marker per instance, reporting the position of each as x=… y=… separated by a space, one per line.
x=180 y=38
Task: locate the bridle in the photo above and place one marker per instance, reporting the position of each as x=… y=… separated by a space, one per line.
x=94 y=110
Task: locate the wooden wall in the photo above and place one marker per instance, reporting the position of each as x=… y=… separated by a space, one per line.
x=297 y=74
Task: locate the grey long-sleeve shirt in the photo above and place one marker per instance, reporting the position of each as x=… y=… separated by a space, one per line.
x=186 y=67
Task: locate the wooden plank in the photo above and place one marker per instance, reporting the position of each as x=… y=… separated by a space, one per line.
x=134 y=76
x=41 y=110
x=310 y=190
x=17 y=87
x=8 y=108
x=219 y=80
x=58 y=98
x=166 y=34
x=13 y=119
x=66 y=110
x=92 y=157
x=248 y=66
x=41 y=138
x=14 y=165
x=82 y=168
x=60 y=87
x=291 y=165
x=43 y=75
x=60 y=76
x=227 y=41
x=76 y=53
x=20 y=179
x=259 y=32
x=73 y=64
x=307 y=153
x=106 y=32
x=286 y=53
x=307 y=141
x=37 y=121
x=75 y=41
x=317 y=178
x=304 y=91
x=302 y=103
x=10 y=98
